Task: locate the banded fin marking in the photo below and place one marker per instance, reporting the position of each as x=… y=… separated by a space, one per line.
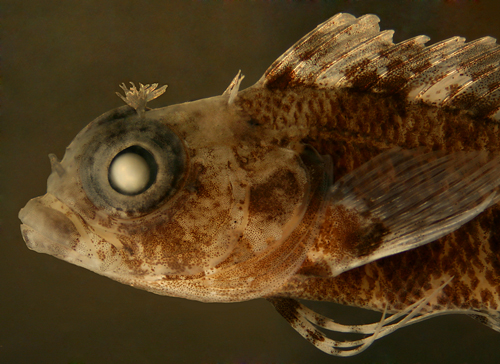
x=349 y=52
x=305 y=321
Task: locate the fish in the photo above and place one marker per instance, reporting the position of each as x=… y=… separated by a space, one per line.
x=354 y=171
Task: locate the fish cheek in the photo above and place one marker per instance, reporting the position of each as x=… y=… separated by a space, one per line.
x=272 y=199
x=195 y=232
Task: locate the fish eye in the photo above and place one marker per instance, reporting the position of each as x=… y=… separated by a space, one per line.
x=132 y=166
x=132 y=171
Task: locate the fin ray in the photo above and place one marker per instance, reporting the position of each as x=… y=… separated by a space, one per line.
x=305 y=321
x=403 y=199
x=349 y=52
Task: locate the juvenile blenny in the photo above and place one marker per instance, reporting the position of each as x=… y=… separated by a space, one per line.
x=326 y=180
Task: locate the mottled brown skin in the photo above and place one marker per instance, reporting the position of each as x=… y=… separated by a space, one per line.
x=353 y=127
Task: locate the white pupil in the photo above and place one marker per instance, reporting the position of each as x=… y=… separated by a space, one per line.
x=129 y=173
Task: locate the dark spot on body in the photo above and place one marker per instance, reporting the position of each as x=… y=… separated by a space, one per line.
x=370 y=238
x=253 y=122
x=315 y=269
x=348 y=231
x=276 y=197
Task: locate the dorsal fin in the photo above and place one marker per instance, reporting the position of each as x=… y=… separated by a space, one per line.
x=350 y=52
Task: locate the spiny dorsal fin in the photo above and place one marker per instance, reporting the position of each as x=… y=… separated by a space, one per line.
x=233 y=88
x=350 y=52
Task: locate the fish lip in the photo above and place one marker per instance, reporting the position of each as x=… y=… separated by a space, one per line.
x=50 y=227
x=40 y=243
x=37 y=241
x=42 y=222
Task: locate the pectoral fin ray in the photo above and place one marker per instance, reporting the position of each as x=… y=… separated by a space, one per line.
x=403 y=199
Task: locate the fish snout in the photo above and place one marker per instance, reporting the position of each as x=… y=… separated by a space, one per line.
x=44 y=228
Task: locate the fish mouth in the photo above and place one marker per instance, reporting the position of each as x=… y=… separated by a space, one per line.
x=45 y=229
x=51 y=227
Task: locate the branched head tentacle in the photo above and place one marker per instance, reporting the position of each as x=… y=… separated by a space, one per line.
x=138 y=98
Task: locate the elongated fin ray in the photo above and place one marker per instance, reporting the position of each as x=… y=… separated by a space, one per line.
x=305 y=321
x=350 y=52
x=490 y=319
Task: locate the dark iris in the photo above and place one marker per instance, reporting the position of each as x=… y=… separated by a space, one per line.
x=131 y=165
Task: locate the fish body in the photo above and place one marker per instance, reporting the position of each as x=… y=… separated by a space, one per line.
x=354 y=127
x=354 y=171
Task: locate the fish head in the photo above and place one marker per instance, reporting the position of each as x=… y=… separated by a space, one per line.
x=177 y=200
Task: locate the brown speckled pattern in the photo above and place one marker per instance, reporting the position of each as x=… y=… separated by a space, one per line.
x=353 y=127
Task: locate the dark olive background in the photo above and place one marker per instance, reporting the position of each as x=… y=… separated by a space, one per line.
x=61 y=63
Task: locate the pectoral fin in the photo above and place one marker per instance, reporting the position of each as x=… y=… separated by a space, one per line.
x=403 y=199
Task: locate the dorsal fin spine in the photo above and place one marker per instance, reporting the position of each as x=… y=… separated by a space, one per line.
x=349 y=52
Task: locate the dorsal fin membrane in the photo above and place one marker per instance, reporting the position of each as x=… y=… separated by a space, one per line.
x=350 y=52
